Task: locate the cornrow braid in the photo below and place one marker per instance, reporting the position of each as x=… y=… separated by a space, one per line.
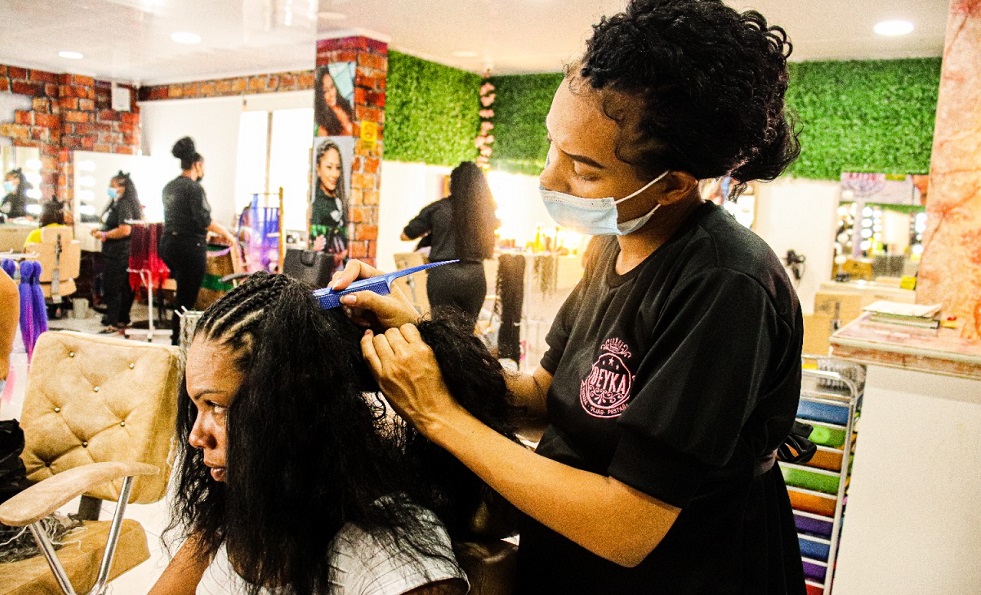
x=236 y=318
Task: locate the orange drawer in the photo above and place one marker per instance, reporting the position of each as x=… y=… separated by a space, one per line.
x=812 y=503
x=824 y=459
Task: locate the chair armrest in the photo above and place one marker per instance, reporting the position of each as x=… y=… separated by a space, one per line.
x=45 y=497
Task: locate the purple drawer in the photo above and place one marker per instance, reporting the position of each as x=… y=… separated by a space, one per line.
x=813 y=571
x=812 y=526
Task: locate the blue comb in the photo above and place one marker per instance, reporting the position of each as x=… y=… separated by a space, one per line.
x=382 y=285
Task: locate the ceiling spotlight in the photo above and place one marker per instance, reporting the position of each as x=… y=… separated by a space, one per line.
x=331 y=16
x=70 y=55
x=893 y=28
x=186 y=38
x=464 y=54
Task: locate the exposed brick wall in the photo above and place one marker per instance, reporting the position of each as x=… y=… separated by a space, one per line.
x=244 y=85
x=68 y=112
x=370 y=78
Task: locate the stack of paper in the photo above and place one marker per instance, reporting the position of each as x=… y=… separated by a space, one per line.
x=916 y=315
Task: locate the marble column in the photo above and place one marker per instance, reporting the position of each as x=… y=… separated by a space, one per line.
x=950 y=270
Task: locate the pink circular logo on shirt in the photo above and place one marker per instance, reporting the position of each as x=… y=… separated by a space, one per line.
x=606 y=391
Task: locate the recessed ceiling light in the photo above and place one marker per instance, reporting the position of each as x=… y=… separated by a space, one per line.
x=893 y=28
x=70 y=55
x=464 y=54
x=331 y=16
x=185 y=37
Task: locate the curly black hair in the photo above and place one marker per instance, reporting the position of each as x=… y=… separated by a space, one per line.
x=711 y=84
x=185 y=151
x=311 y=445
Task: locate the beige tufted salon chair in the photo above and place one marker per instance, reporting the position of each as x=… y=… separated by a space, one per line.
x=98 y=413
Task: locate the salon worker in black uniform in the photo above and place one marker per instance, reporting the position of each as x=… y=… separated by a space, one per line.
x=187 y=221
x=673 y=369
x=124 y=207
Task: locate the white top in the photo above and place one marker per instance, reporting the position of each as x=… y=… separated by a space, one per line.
x=360 y=564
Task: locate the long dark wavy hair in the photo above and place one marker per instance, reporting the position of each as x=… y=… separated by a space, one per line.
x=474 y=220
x=322 y=114
x=340 y=191
x=130 y=195
x=711 y=84
x=310 y=447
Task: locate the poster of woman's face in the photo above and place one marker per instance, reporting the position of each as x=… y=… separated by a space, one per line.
x=329 y=221
x=333 y=99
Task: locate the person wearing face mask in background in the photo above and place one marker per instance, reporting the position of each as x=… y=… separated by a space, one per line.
x=16 y=203
x=124 y=206
x=187 y=221
x=673 y=370
x=327 y=215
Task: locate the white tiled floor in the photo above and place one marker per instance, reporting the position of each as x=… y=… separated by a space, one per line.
x=153 y=517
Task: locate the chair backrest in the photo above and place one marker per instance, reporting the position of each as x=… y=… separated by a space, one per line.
x=92 y=399
x=68 y=262
x=51 y=233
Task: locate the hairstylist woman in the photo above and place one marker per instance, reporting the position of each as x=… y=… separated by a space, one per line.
x=187 y=221
x=124 y=206
x=673 y=368
x=461 y=227
x=17 y=203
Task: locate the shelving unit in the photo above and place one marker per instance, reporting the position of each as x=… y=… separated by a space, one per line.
x=829 y=402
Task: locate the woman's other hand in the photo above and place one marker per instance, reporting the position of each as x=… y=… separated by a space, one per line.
x=407 y=373
x=319 y=244
x=367 y=308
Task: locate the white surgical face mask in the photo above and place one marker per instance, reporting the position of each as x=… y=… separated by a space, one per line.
x=594 y=216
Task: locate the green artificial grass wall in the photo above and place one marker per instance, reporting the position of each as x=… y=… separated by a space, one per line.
x=430 y=112
x=520 y=142
x=868 y=116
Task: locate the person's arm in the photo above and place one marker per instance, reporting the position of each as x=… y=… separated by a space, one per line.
x=9 y=317
x=182 y=575
x=123 y=231
x=419 y=225
x=529 y=390
x=220 y=230
x=572 y=502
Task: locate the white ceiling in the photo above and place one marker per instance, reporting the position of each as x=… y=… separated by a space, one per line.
x=129 y=40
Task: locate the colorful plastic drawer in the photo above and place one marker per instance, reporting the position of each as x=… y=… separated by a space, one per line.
x=825 y=436
x=826 y=459
x=832 y=414
x=816 y=550
x=813 y=526
x=809 y=480
x=814 y=570
x=812 y=503
x=814 y=588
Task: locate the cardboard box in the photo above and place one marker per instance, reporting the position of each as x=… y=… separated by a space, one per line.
x=817 y=332
x=841 y=305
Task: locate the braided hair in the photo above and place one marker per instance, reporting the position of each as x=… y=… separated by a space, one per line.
x=710 y=83
x=311 y=446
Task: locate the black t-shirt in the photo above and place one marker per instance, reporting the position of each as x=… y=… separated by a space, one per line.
x=675 y=379
x=117 y=213
x=186 y=208
x=436 y=219
x=15 y=205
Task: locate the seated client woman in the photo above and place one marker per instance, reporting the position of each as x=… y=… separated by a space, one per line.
x=294 y=478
